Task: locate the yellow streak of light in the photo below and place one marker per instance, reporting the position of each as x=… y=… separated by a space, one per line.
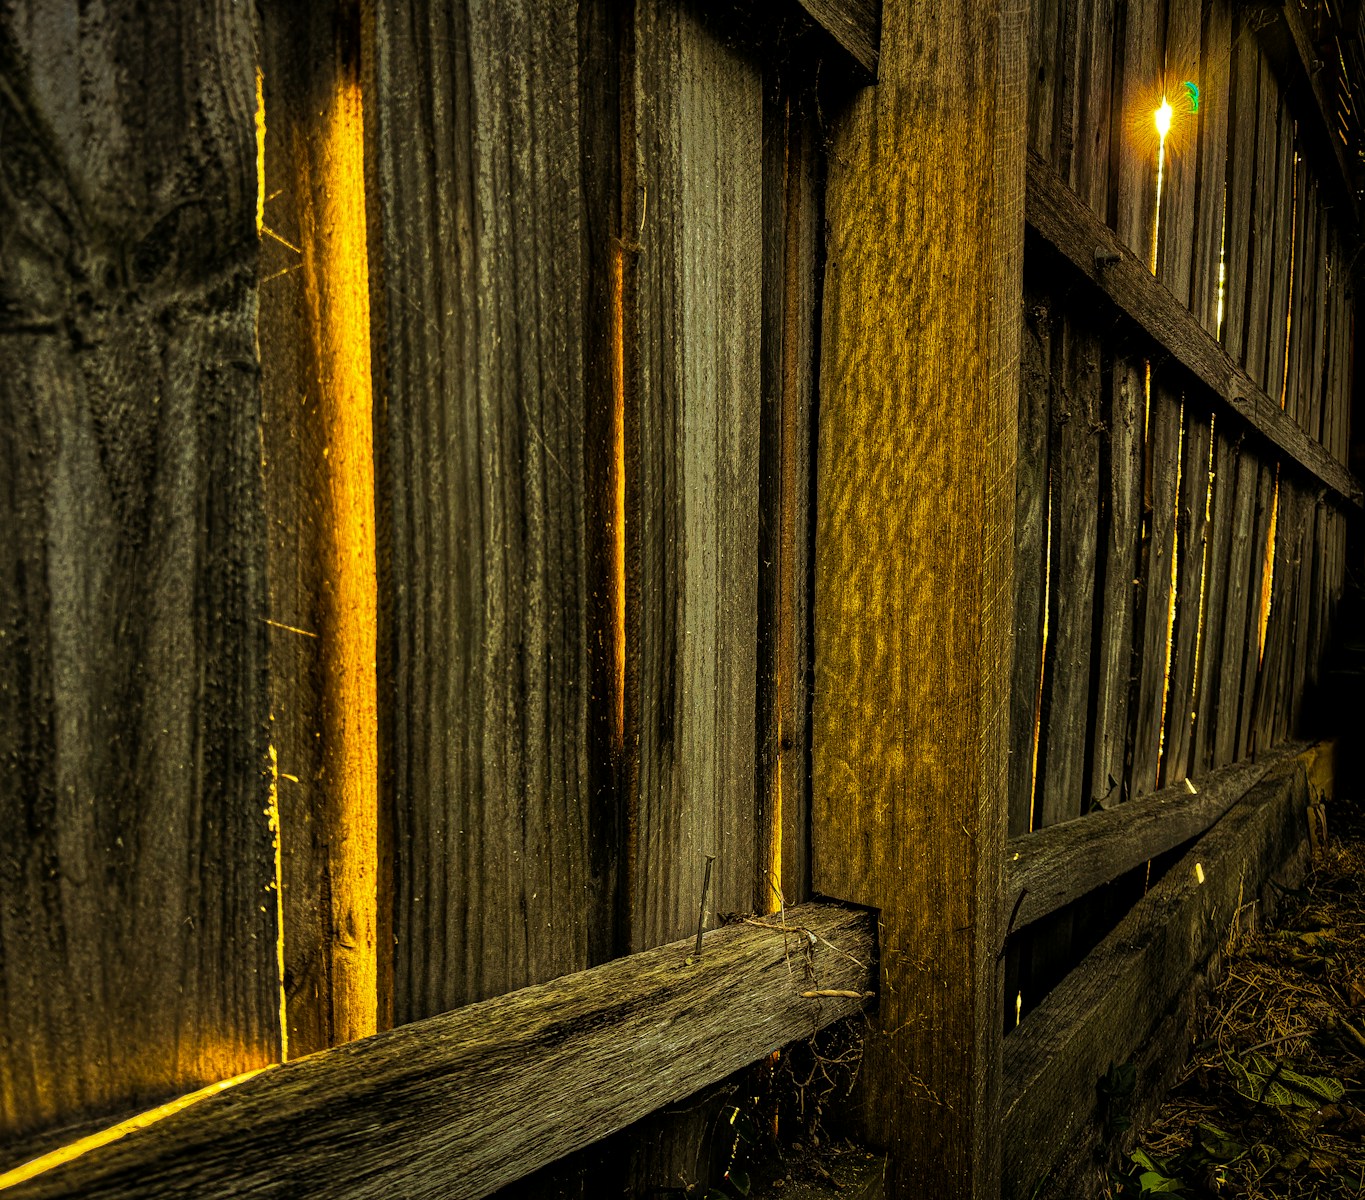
x=1170 y=608
x=272 y=817
x=338 y=286
x=1042 y=664
x=617 y=486
x=1163 y=127
x=260 y=151
x=95 y=1141
x=1268 y=571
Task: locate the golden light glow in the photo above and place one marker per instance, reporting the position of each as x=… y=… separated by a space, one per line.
x=338 y=287
x=260 y=151
x=617 y=486
x=1222 y=265
x=74 y=1150
x=1163 y=118
x=1018 y=1007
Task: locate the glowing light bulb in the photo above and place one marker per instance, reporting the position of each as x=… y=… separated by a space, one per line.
x=1163 y=118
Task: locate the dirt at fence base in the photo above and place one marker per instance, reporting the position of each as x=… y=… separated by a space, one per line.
x=1272 y=1103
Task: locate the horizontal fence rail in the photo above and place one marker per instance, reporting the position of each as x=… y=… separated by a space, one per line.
x=1053 y=866
x=1109 y=1010
x=463 y=1103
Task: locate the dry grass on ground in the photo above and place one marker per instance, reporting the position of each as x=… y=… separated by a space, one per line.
x=1272 y=1103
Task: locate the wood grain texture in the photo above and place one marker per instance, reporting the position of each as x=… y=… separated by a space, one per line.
x=485 y=570
x=137 y=924
x=1192 y=510
x=1053 y=867
x=481 y=1096
x=919 y=396
x=1105 y=1010
x=1210 y=698
x=1211 y=182
x=1180 y=167
x=692 y=676
x=1236 y=608
x=1122 y=474
x=1241 y=183
x=1074 y=506
x=1261 y=255
x=1153 y=628
x=1138 y=84
x=1095 y=121
x=318 y=456
x=1068 y=226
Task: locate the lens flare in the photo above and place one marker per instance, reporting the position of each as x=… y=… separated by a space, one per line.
x=1163 y=118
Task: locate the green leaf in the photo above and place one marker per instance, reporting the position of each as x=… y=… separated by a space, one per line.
x=1263 y=1080
x=1218 y=1145
x=740 y=1182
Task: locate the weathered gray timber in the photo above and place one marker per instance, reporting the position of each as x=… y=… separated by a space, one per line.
x=854 y=24
x=137 y=917
x=1052 y=867
x=463 y=1103
x=1067 y=225
x=484 y=566
x=696 y=203
x=1106 y=1009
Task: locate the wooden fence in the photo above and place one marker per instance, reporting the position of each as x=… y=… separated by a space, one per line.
x=492 y=486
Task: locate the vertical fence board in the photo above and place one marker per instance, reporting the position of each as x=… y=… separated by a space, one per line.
x=137 y=920
x=698 y=147
x=1191 y=541
x=1210 y=697
x=1074 y=459
x=1261 y=559
x=1165 y=429
x=1210 y=200
x=1139 y=56
x=1175 y=251
x=487 y=574
x=1262 y=253
x=1283 y=250
x=1241 y=183
x=1090 y=163
x=1122 y=473
x=1298 y=402
x=1235 y=605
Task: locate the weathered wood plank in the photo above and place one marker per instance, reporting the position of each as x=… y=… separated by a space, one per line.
x=1056 y=214
x=1298 y=403
x=1046 y=66
x=1165 y=431
x=1104 y=1011
x=1192 y=510
x=1210 y=199
x=1283 y=251
x=1031 y=565
x=481 y=1096
x=1260 y=585
x=1282 y=31
x=1241 y=183
x=1236 y=607
x=1137 y=72
x=137 y=920
x=792 y=221
x=1210 y=698
x=486 y=576
x=1049 y=868
x=1176 y=237
x=318 y=456
x=1074 y=461
x=1091 y=161
x=692 y=720
x=916 y=457
x=1261 y=257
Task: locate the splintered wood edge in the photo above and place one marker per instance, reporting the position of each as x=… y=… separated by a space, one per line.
x=855 y=24
x=1104 y=1010
x=1053 y=866
x=1061 y=219
x=468 y=1101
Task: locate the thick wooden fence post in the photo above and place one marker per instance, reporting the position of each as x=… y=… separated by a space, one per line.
x=914 y=564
